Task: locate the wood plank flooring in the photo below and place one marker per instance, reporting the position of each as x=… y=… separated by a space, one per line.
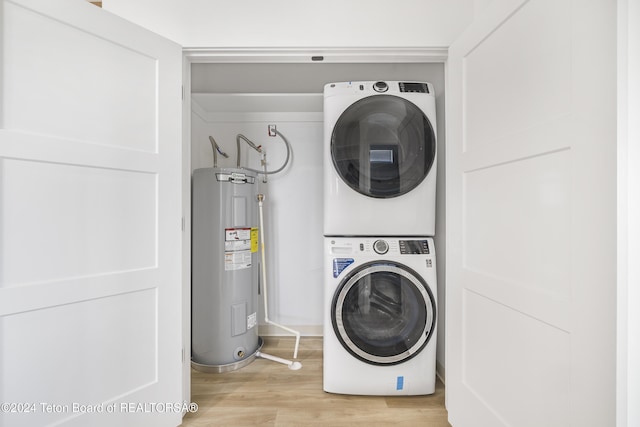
x=265 y=393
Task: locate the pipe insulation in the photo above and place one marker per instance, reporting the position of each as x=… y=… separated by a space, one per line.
x=264 y=281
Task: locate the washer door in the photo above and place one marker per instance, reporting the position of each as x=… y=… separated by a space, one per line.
x=383 y=146
x=383 y=313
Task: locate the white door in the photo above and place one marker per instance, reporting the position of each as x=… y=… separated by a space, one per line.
x=531 y=216
x=90 y=219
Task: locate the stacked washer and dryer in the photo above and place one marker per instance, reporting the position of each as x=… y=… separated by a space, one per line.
x=379 y=220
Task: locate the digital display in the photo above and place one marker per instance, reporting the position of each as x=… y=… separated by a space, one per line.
x=381 y=156
x=414 y=247
x=414 y=87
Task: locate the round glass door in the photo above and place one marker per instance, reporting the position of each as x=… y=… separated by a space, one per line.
x=383 y=313
x=383 y=146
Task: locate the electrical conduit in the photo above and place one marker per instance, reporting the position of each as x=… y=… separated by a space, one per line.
x=261 y=150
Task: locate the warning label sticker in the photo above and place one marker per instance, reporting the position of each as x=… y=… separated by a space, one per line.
x=237 y=260
x=238 y=246
x=252 y=320
x=254 y=239
x=339 y=264
x=237 y=234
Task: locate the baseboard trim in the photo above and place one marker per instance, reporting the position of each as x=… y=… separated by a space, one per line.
x=305 y=330
x=440 y=372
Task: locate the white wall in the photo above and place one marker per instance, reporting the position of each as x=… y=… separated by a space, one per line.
x=295 y=23
x=628 y=372
x=292 y=207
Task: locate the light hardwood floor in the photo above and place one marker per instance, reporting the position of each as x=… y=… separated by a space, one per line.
x=266 y=393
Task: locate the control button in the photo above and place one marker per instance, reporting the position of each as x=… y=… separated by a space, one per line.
x=380 y=87
x=381 y=247
x=361 y=247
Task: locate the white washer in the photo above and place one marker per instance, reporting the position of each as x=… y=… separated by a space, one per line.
x=380 y=316
x=379 y=159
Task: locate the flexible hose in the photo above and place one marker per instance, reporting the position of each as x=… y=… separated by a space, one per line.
x=216 y=149
x=258 y=149
x=249 y=142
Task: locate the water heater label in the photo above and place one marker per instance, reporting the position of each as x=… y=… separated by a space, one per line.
x=237 y=260
x=238 y=246
x=237 y=240
x=254 y=239
x=235 y=234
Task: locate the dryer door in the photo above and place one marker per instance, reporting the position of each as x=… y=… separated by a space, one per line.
x=383 y=146
x=383 y=313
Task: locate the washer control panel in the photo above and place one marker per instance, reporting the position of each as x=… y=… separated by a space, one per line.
x=383 y=246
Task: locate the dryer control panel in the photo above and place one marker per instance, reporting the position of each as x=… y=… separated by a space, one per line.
x=413 y=87
x=414 y=247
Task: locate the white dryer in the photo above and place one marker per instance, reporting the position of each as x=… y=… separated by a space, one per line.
x=379 y=159
x=380 y=316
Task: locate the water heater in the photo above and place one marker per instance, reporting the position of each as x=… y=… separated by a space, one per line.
x=224 y=278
